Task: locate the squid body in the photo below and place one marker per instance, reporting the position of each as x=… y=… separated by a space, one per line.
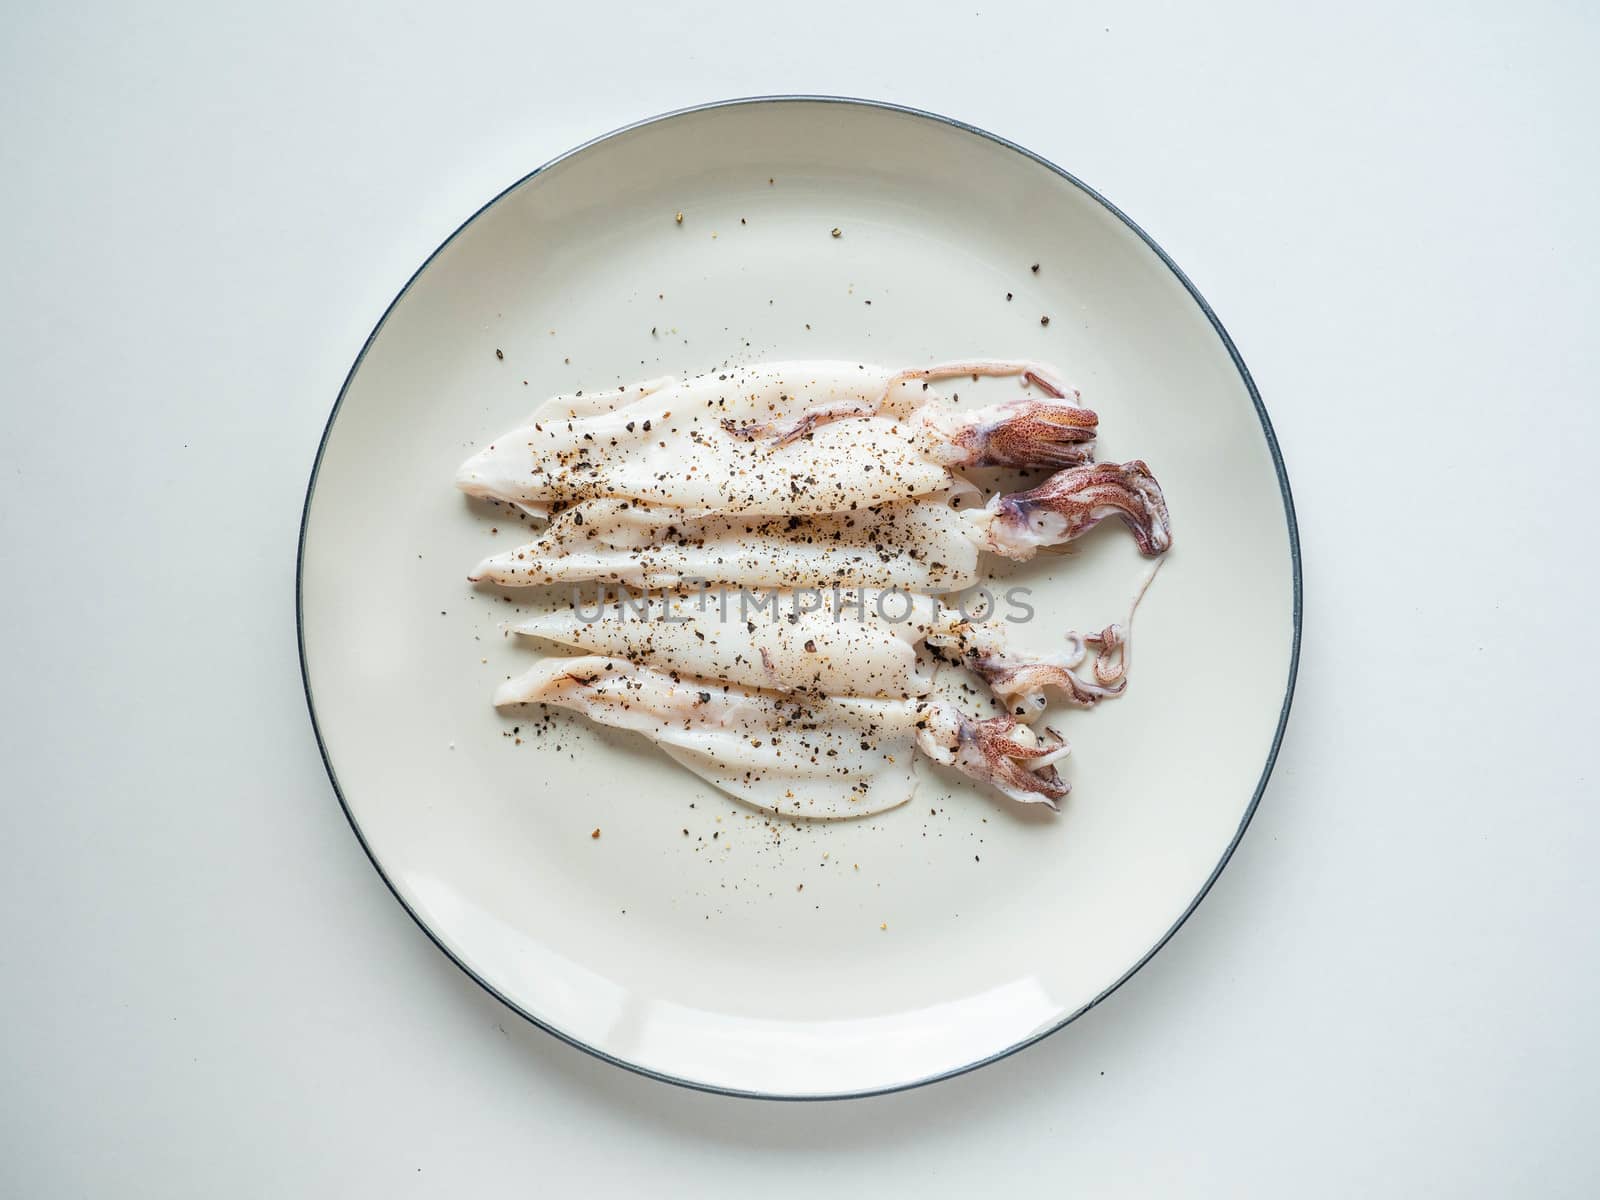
x=778 y=439
x=926 y=544
x=818 y=757
x=843 y=642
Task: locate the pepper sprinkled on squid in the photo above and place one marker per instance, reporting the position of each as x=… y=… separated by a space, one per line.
x=835 y=490
x=820 y=757
x=808 y=437
x=925 y=544
x=854 y=642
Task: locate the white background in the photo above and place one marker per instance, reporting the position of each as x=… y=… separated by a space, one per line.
x=208 y=991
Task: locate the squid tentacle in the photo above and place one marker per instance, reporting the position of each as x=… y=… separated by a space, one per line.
x=1021 y=680
x=1038 y=374
x=1002 y=752
x=1074 y=501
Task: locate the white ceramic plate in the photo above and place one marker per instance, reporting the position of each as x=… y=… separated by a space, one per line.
x=812 y=960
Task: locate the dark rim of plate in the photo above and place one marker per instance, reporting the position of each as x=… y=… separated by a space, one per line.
x=1288 y=511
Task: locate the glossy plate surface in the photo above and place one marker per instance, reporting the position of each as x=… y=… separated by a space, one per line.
x=807 y=960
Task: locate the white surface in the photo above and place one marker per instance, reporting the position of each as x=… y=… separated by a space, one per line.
x=843 y=957
x=207 y=989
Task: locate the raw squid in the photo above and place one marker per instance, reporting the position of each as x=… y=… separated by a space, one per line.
x=818 y=757
x=927 y=544
x=775 y=440
x=850 y=643
x=818 y=486
x=839 y=642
